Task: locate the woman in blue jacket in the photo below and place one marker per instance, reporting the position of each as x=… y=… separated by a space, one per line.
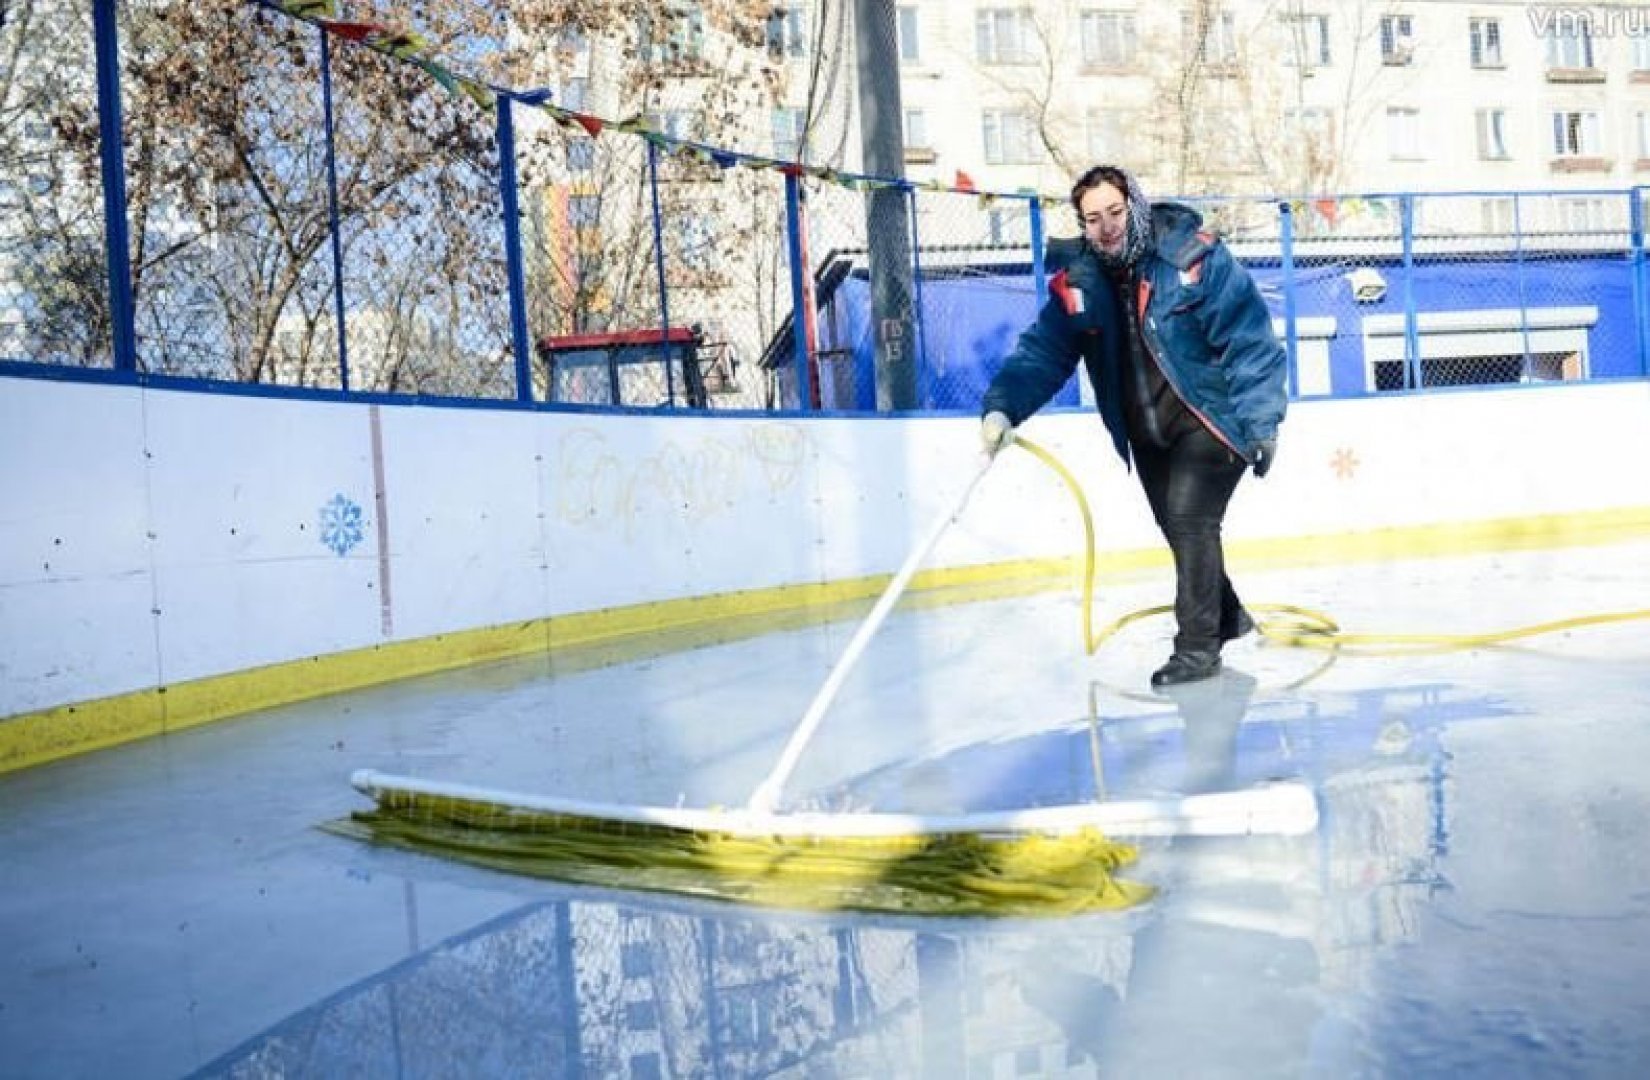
x=1187 y=374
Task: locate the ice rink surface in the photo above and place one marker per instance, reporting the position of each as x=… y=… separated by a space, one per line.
x=1475 y=899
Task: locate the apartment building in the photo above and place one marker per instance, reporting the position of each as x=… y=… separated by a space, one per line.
x=1270 y=97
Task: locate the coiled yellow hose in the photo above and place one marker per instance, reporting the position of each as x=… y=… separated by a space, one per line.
x=1303 y=627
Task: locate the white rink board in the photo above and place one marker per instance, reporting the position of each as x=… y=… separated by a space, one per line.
x=155 y=536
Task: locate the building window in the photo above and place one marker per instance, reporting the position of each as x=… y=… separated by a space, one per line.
x=1008 y=227
x=572 y=49
x=1492 y=134
x=1570 y=47
x=1306 y=41
x=1309 y=124
x=1010 y=138
x=1403 y=134
x=573 y=94
x=1583 y=215
x=1641 y=52
x=787 y=32
x=1641 y=125
x=581 y=155
x=1108 y=38
x=1212 y=34
x=1484 y=36
x=1496 y=215
x=1232 y=153
x=584 y=211
x=695 y=241
x=1105 y=131
x=1397 y=40
x=788 y=124
x=910 y=36
x=1003 y=36
x=673 y=35
x=916 y=129
x=1576 y=134
x=676 y=123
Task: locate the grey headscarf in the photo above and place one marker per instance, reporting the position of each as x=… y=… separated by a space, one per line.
x=1137 y=234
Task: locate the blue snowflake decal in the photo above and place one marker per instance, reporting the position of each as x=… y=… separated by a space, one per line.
x=341 y=525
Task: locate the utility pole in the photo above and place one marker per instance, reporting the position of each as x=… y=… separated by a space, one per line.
x=887 y=224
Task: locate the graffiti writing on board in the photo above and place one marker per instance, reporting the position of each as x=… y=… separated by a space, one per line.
x=604 y=482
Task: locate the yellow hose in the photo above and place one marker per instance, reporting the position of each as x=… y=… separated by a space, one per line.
x=1307 y=628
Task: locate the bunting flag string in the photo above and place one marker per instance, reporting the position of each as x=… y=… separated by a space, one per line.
x=413 y=48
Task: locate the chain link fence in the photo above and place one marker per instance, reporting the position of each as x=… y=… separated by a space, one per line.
x=54 y=281
x=303 y=211
x=1408 y=292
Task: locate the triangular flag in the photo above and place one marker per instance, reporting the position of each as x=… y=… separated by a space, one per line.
x=352 y=31
x=401 y=44
x=482 y=95
x=438 y=73
x=310 y=9
x=963 y=182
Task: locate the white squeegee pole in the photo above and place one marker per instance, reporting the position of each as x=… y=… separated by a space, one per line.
x=767 y=793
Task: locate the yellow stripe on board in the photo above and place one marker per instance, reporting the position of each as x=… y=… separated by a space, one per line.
x=615 y=635
x=1587 y=529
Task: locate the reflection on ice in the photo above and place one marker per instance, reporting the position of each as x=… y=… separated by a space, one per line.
x=1228 y=972
x=1474 y=900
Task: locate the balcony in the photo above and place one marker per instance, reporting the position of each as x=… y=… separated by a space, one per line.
x=1581 y=163
x=1575 y=75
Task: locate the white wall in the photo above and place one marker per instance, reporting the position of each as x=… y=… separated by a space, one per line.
x=153 y=537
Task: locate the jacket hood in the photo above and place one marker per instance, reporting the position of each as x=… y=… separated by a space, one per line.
x=1178 y=234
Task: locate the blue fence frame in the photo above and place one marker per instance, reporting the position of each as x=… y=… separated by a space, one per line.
x=1294 y=294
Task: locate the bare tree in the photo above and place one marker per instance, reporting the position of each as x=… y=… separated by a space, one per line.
x=231 y=214
x=1208 y=97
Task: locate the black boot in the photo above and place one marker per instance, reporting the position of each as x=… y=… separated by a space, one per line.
x=1187 y=667
x=1235 y=626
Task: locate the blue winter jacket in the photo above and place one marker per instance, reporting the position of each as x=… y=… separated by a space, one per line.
x=1202 y=320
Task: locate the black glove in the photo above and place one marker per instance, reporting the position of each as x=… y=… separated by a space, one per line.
x=1266 y=451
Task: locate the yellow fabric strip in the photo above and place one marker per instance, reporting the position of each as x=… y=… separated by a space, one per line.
x=945 y=874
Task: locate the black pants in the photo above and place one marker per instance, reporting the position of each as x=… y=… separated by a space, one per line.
x=1188 y=483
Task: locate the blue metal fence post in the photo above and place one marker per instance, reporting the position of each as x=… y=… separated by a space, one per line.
x=332 y=210
x=567 y=987
x=1412 y=336
x=1037 y=243
x=513 y=273
x=1518 y=272
x=1291 y=334
x=1641 y=323
x=659 y=263
x=799 y=290
x=116 y=238
x=916 y=277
